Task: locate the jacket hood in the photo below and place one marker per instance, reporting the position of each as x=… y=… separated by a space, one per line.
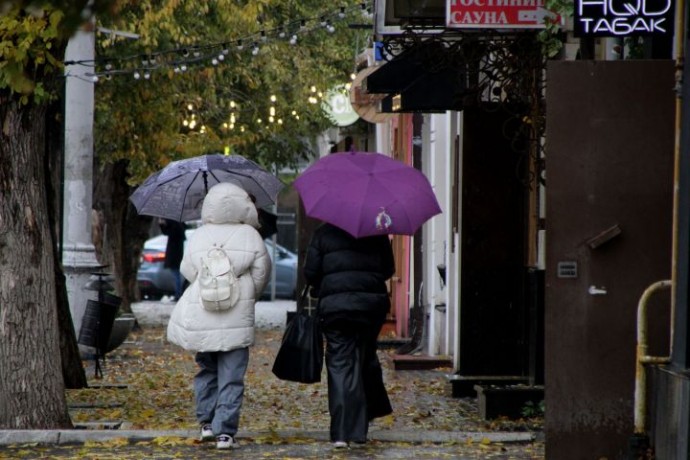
x=227 y=203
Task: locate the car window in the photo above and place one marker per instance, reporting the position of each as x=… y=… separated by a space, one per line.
x=158 y=243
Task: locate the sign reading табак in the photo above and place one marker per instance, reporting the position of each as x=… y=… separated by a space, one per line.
x=499 y=14
x=619 y=18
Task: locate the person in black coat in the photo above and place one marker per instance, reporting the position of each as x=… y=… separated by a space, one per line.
x=348 y=275
x=174 y=250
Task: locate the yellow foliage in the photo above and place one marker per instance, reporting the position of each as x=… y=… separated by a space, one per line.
x=171 y=441
x=115 y=442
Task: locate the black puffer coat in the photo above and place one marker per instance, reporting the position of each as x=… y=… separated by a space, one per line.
x=174 y=248
x=349 y=274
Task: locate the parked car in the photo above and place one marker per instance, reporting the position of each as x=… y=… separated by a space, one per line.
x=154 y=281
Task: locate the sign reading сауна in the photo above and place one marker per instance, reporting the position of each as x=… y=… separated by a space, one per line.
x=620 y=18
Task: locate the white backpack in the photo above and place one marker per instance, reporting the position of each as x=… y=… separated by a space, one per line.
x=218 y=285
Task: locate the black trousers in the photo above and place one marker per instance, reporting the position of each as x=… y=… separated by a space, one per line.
x=356 y=393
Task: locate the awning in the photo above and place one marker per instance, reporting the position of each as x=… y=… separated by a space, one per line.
x=421 y=79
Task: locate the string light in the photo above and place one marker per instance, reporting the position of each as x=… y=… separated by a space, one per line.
x=181 y=59
x=192 y=123
x=178 y=60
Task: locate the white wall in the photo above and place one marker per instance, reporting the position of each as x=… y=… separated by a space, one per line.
x=439 y=132
x=435 y=158
x=454 y=268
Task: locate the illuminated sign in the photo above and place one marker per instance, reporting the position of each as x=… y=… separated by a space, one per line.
x=499 y=14
x=618 y=18
x=337 y=106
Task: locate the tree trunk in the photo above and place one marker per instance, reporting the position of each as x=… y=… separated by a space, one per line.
x=124 y=230
x=72 y=368
x=32 y=389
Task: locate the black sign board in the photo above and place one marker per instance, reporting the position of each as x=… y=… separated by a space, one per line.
x=622 y=18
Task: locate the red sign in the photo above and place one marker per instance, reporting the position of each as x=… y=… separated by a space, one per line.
x=499 y=14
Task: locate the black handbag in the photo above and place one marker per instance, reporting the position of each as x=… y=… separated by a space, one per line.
x=300 y=357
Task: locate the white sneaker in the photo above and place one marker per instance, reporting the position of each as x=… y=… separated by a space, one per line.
x=225 y=441
x=206 y=432
x=340 y=444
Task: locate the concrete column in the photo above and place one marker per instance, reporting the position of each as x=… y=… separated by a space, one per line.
x=78 y=253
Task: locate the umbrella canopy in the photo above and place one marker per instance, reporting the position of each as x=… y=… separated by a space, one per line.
x=367 y=194
x=178 y=190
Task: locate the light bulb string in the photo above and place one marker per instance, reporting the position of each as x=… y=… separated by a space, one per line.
x=195 y=54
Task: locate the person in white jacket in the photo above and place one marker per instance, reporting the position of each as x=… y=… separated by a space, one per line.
x=221 y=339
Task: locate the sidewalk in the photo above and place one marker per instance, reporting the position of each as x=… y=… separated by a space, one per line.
x=291 y=444
x=280 y=419
x=270 y=447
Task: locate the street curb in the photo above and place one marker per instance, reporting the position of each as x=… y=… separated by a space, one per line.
x=60 y=437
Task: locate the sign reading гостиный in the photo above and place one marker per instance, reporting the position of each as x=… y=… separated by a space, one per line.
x=499 y=14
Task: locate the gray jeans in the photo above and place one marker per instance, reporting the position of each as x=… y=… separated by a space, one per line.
x=219 y=388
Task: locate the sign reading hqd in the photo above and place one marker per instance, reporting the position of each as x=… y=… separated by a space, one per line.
x=618 y=18
x=499 y=14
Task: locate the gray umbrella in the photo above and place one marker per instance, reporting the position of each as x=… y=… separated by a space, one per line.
x=178 y=190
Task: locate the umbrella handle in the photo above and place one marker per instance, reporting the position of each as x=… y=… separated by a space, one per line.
x=205 y=175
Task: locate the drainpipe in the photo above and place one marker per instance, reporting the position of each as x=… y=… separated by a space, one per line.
x=642 y=358
x=679 y=55
x=639 y=442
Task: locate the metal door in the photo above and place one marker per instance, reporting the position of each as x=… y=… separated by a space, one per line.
x=609 y=173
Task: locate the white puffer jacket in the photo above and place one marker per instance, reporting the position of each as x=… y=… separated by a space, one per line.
x=229 y=219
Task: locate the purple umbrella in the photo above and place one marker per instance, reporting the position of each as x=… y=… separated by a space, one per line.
x=367 y=194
